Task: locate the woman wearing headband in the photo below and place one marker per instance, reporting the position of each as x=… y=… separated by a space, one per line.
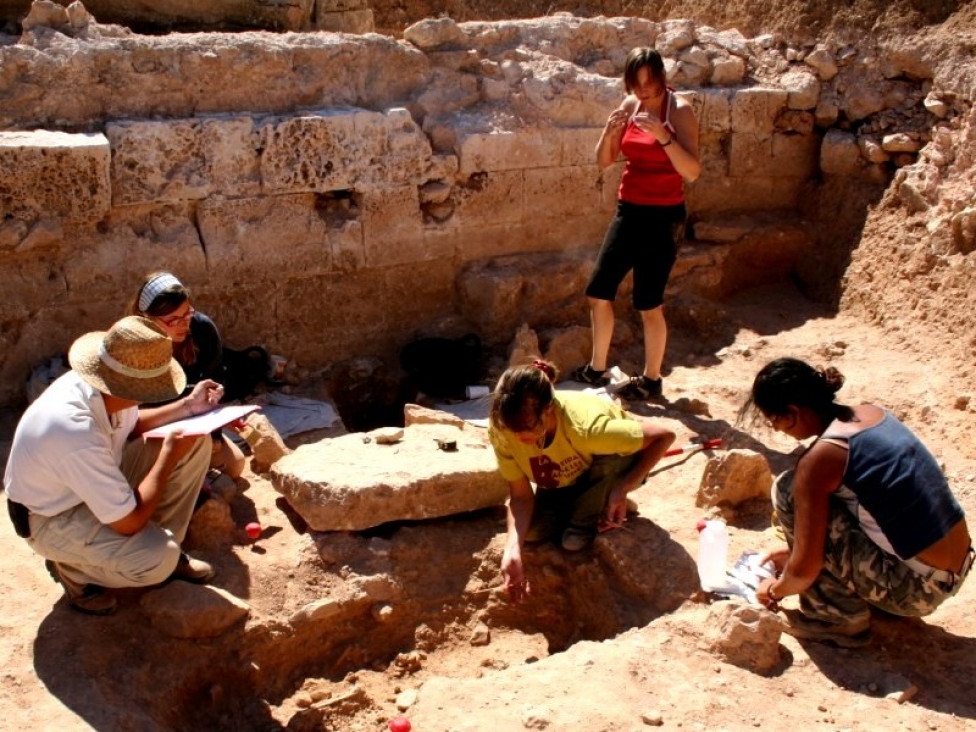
x=584 y=454
x=196 y=347
x=868 y=515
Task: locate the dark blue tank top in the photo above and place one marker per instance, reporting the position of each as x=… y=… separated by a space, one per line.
x=899 y=482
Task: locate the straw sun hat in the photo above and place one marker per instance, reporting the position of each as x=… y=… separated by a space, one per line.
x=132 y=360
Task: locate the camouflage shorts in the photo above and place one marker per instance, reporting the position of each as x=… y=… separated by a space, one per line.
x=856 y=571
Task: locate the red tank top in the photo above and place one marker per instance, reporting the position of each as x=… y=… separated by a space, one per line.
x=649 y=178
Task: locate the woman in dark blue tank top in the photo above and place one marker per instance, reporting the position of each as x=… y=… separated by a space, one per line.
x=867 y=513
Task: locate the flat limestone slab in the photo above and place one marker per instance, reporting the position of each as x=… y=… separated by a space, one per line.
x=353 y=482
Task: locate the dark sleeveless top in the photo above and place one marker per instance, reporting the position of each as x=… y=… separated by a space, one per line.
x=898 y=481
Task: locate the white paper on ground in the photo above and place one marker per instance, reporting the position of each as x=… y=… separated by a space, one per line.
x=744 y=577
x=291 y=415
x=472 y=411
x=204 y=424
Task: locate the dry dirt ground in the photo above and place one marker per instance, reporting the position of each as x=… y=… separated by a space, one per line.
x=620 y=670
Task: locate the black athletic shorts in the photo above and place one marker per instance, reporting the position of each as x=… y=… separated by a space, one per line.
x=643 y=239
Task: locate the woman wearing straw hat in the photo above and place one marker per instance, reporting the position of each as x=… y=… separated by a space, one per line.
x=104 y=507
x=196 y=347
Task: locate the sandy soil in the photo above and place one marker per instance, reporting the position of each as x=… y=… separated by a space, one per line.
x=65 y=670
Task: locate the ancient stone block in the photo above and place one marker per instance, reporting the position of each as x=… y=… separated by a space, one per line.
x=553 y=233
x=393 y=226
x=751 y=155
x=542 y=288
x=728 y=71
x=675 y=36
x=217 y=14
x=132 y=242
x=839 y=154
x=432 y=33
x=328 y=322
x=346 y=21
x=610 y=187
x=178 y=160
x=261 y=238
x=336 y=6
x=416 y=414
x=507 y=150
x=794 y=155
x=823 y=61
x=415 y=293
x=266 y=444
x=183 y=610
x=728 y=193
x=803 y=89
x=562 y=192
x=49 y=174
x=713 y=152
x=744 y=635
x=479 y=242
x=730 y=40
x=568 y=348
x=579 y=145
x=342 y=149
x=490 y=198
x=900 y=142
x=754 y=111
x=346 y=484
x=732 y=477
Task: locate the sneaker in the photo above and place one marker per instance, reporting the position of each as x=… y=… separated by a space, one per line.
x=575 y=540
x=192 y=570
x=87 y=599
x=855 y=634
x=640 y=388
x=588 y=375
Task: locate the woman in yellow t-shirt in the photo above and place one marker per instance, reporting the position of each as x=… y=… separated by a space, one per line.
x=583 y=453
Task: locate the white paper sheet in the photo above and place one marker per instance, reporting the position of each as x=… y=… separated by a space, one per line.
x=204 y=424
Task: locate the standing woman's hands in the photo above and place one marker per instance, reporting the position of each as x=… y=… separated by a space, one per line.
x=617 y=121
x=608 y=148
x=652 y=125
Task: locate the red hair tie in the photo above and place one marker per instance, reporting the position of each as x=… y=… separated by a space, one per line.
x=544 y=368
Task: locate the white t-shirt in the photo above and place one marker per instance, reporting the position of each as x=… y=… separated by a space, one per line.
x=67 y=451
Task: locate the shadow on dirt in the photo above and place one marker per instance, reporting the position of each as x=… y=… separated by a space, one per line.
x=943 y=674
x=366 y=600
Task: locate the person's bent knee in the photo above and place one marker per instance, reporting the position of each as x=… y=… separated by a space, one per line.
x=152 y=563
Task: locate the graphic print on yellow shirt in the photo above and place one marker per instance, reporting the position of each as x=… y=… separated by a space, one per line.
x=586 y=426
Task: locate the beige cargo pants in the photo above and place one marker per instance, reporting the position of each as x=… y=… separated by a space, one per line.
x=89 y=552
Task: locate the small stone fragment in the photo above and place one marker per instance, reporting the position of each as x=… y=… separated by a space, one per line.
x=652 y=718
x=406 y=699
x=480 y=636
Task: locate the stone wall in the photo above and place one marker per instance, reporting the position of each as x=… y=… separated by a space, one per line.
x=334 y=196
x=345 y=16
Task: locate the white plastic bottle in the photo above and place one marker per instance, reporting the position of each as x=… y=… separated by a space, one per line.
x=713 y=554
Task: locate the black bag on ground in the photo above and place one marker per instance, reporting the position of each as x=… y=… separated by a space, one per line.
x=443 y=366
x=244 y=370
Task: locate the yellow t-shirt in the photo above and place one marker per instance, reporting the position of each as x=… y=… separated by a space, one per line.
x=586 y=426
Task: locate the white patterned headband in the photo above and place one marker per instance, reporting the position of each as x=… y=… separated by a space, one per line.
x=152 y=289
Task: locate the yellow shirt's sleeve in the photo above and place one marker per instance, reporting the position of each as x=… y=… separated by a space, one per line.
x=507 y=465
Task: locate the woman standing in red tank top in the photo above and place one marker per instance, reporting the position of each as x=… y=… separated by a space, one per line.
x=657 y=134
